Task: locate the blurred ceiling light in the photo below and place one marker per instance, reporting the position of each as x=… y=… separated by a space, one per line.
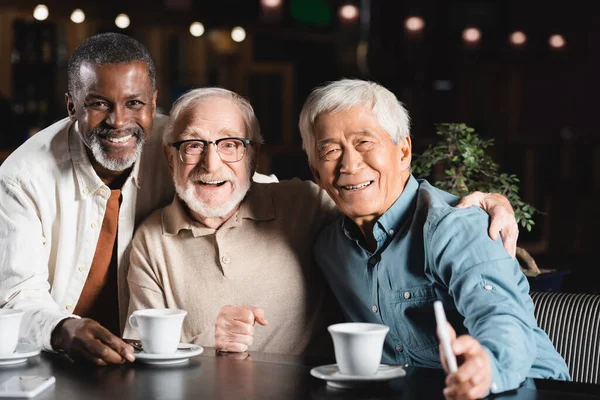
x=270 y=3
x=40 y=12
x=78 y=16
x=122 y=21
x=557 y=41
x=518 y=38
x=197 y=29
x=238 y=34
x=414 y=24
x=348 y=12
x=471 y=35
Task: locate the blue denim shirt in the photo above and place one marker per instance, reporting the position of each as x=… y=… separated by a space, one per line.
x=428 y=250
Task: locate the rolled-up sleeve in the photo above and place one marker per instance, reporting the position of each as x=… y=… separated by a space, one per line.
x=489 y=290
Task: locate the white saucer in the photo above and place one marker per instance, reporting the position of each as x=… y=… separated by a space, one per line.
x=179 y=357
x=21 y=354
x=335 y=379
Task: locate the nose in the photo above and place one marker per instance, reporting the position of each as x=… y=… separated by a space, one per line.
x=211 y=161
x=118 y=117
x=351 y=161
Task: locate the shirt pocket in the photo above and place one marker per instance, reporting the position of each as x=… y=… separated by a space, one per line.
x=414 y=317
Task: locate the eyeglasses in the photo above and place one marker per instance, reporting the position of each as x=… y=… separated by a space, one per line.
x=230 y=149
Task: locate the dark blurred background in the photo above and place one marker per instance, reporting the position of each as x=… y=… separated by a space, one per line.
x=524 y=73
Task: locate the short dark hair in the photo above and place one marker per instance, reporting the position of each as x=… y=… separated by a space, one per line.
x=108 y=48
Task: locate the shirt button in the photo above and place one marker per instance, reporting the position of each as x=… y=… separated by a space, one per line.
x=81 y=268
x=488 y=287
x=103 y=192
x=494 y=387
x=399 y=348
x=94 y=225
x=86 y=191
x=225 y=259
x=373 y=261
x=220 y=235
x=70 y=307
x=391 y=231
x=407 y=295
x=374 y=309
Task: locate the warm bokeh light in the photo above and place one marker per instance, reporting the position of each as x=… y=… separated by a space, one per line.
x=414 y=24
x=238 y=34
x=197 y=29
x=348 y=12
x=122 y=21
x=557 y=41
x=518 y=38
x=270 y=3
x=78 y=16
x=471 y=35
x=40 y=12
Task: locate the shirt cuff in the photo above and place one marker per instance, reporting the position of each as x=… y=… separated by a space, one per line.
x=502 y=382
x=47 y=345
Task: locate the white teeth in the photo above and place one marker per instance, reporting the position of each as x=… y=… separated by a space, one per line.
x=359 y=186
x=212 y=183
x=118 y=140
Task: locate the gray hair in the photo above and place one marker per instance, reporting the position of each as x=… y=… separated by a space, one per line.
x=198 y=96
x=108 y=48
x=344 y=94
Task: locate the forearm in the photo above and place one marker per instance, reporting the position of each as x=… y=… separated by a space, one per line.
x=497 y=318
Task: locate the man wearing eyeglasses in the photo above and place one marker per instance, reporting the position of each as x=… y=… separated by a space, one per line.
x=231 y=252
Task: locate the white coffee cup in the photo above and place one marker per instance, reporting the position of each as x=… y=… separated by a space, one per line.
x=358 y=347
x=159 y=328
x=10 y=322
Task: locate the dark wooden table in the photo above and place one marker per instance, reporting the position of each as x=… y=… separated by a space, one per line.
x=257 y=376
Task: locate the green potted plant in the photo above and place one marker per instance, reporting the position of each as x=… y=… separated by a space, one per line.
x=459 y=164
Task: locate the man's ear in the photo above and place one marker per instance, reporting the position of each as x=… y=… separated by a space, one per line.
x=154 y=97
x=70 y=106
x=170 y=160
x=406 y=153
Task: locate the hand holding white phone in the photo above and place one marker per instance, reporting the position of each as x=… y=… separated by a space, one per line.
x=440 y=318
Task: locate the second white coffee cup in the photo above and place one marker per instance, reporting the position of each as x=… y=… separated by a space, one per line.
x=159 y=328
x=358 y=347
x=10 y=322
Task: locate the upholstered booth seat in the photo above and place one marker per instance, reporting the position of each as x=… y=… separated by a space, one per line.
x=572 y=321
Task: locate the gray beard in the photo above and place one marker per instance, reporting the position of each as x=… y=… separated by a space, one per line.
x=114 y=164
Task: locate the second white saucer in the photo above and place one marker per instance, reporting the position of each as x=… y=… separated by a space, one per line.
x=183 y=354
x=334 y=378
x=21 y=354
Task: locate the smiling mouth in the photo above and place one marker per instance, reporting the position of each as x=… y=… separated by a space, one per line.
x=358 y=186
x=212 y=183
x=121 y=139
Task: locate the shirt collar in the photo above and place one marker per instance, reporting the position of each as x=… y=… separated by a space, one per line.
x=258 y=205
x=87 y=180
x=392 y=220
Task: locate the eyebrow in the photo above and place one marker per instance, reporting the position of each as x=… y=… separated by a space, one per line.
x=326 y=141
x=194 y=133
x=99 y=96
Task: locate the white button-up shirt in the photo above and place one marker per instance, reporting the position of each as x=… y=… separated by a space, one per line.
x=52 y=205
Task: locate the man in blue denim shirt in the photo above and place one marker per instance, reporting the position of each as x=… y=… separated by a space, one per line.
x=400 y=245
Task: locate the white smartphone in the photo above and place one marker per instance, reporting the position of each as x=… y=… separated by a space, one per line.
x=25 y=386
x=440 y=318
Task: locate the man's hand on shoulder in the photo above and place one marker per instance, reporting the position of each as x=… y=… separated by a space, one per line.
x=86 y=340
x=502 y=217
